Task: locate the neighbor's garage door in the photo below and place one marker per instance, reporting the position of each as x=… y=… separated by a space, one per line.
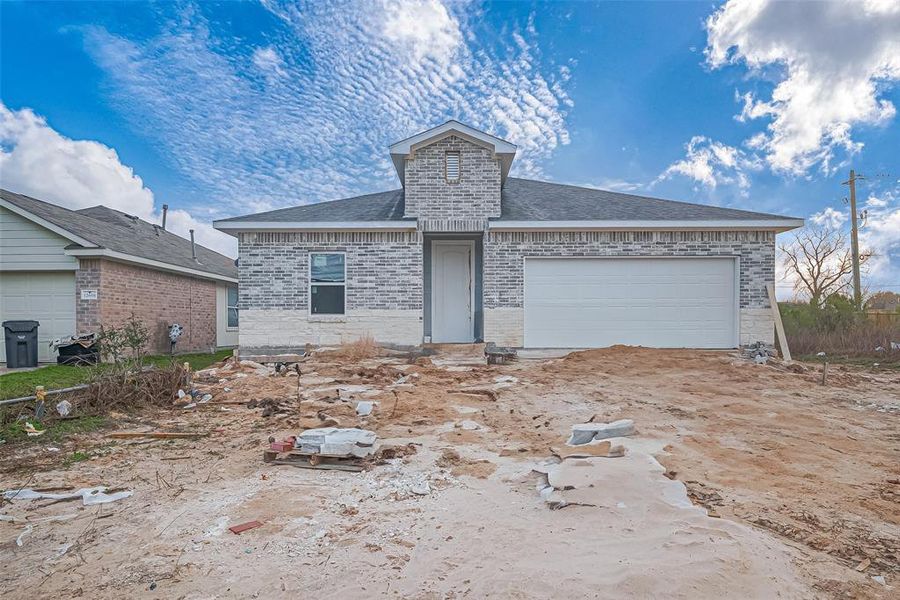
x=656 y=302
x=45 y=297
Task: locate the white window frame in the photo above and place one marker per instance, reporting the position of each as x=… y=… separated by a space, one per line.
x=458 y=156
x=311 y=283
x=236 y=307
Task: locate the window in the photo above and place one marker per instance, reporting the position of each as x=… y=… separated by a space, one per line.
x=232 y=307
x=451 y=167
x=326 y=283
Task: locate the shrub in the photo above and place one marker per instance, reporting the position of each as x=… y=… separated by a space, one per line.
x=839 y=330
x=130 y=338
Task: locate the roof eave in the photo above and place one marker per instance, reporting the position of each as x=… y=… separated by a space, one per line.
x=777 y=225
x=147 y=262
x=236 y=227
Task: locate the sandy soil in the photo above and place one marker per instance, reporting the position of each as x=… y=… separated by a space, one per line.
x=793 y=486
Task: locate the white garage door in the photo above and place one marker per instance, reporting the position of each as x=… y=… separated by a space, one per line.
x=655 y=302
x=45 y=297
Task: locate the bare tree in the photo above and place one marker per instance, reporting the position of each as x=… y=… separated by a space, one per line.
x=821 y=262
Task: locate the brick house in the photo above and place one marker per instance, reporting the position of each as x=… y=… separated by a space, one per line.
x=463 y=252
x=74 y=270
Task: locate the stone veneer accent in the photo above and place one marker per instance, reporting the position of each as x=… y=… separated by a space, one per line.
x=157 y=298
x=383 y=295
x=504 y=253
x=428 y=195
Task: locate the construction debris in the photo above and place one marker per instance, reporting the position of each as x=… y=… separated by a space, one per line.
x=334 y=442
x=239 y=529
x=584 y=433
x=89 y=496
x=603 y=449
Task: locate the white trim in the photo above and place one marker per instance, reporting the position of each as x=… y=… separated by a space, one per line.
x=405 y=146
x=644 y=225
x=310 y=283
x=145 y=262
x=471 y=245
x=46 y=224
x=228 y=308
x=241 y=226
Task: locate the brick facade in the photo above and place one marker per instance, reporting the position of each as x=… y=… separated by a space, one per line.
x=383 y=288
x=505 y=252
x=430 y=196
x=385 y=285
x=157 y=298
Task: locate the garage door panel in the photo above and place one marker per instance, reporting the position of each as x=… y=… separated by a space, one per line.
x=48 y=298
x=659 y=302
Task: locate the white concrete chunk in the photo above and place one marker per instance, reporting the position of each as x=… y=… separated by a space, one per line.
x=584 y=433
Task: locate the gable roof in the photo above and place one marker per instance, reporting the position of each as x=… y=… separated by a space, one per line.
x=406 y=148
x=102 y=231
x=525 y=203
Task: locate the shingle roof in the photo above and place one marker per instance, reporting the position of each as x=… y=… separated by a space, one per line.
x=529 y=200
x=521 y=200
x=115 y=230
x=383 y=206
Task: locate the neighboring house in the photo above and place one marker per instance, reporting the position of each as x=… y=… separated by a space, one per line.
x=74 y=270
x=464 y=253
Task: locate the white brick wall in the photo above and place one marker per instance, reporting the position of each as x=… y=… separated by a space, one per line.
x=275 y=328
x=505 y=326
x=757 y=325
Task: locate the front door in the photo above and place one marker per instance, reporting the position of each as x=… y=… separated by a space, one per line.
x=452 y=291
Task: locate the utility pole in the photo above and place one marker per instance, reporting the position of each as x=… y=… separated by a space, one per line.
x=854 y=239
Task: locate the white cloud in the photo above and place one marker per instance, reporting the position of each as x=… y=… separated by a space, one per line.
x=830 y=218
x=425 y=26
x=711 y=163
x=37 y=161
x=350 y=78
x=268 y=61
x=881 y=234
x=832 y=62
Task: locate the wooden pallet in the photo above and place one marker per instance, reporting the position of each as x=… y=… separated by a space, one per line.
x=306 y=460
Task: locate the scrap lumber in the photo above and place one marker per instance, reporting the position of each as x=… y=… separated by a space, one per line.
x=333 y=466
x=164 y=435
x=779 y=326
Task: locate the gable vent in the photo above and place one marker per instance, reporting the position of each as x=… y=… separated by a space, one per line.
x=451 y=166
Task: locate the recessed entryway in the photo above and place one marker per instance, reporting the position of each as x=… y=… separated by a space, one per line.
x=452 y=291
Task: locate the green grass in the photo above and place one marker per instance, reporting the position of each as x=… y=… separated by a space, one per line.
x=54 y=377
x=75 y=457
x=14 y=431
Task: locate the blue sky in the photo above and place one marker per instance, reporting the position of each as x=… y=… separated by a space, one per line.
x=230 y=108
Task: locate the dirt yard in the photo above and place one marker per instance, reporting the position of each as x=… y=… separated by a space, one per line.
x=742 y=481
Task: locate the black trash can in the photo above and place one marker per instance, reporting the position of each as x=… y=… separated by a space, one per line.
x=21 y=343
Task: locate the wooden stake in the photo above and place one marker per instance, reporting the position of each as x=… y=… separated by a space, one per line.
x=779 y=326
